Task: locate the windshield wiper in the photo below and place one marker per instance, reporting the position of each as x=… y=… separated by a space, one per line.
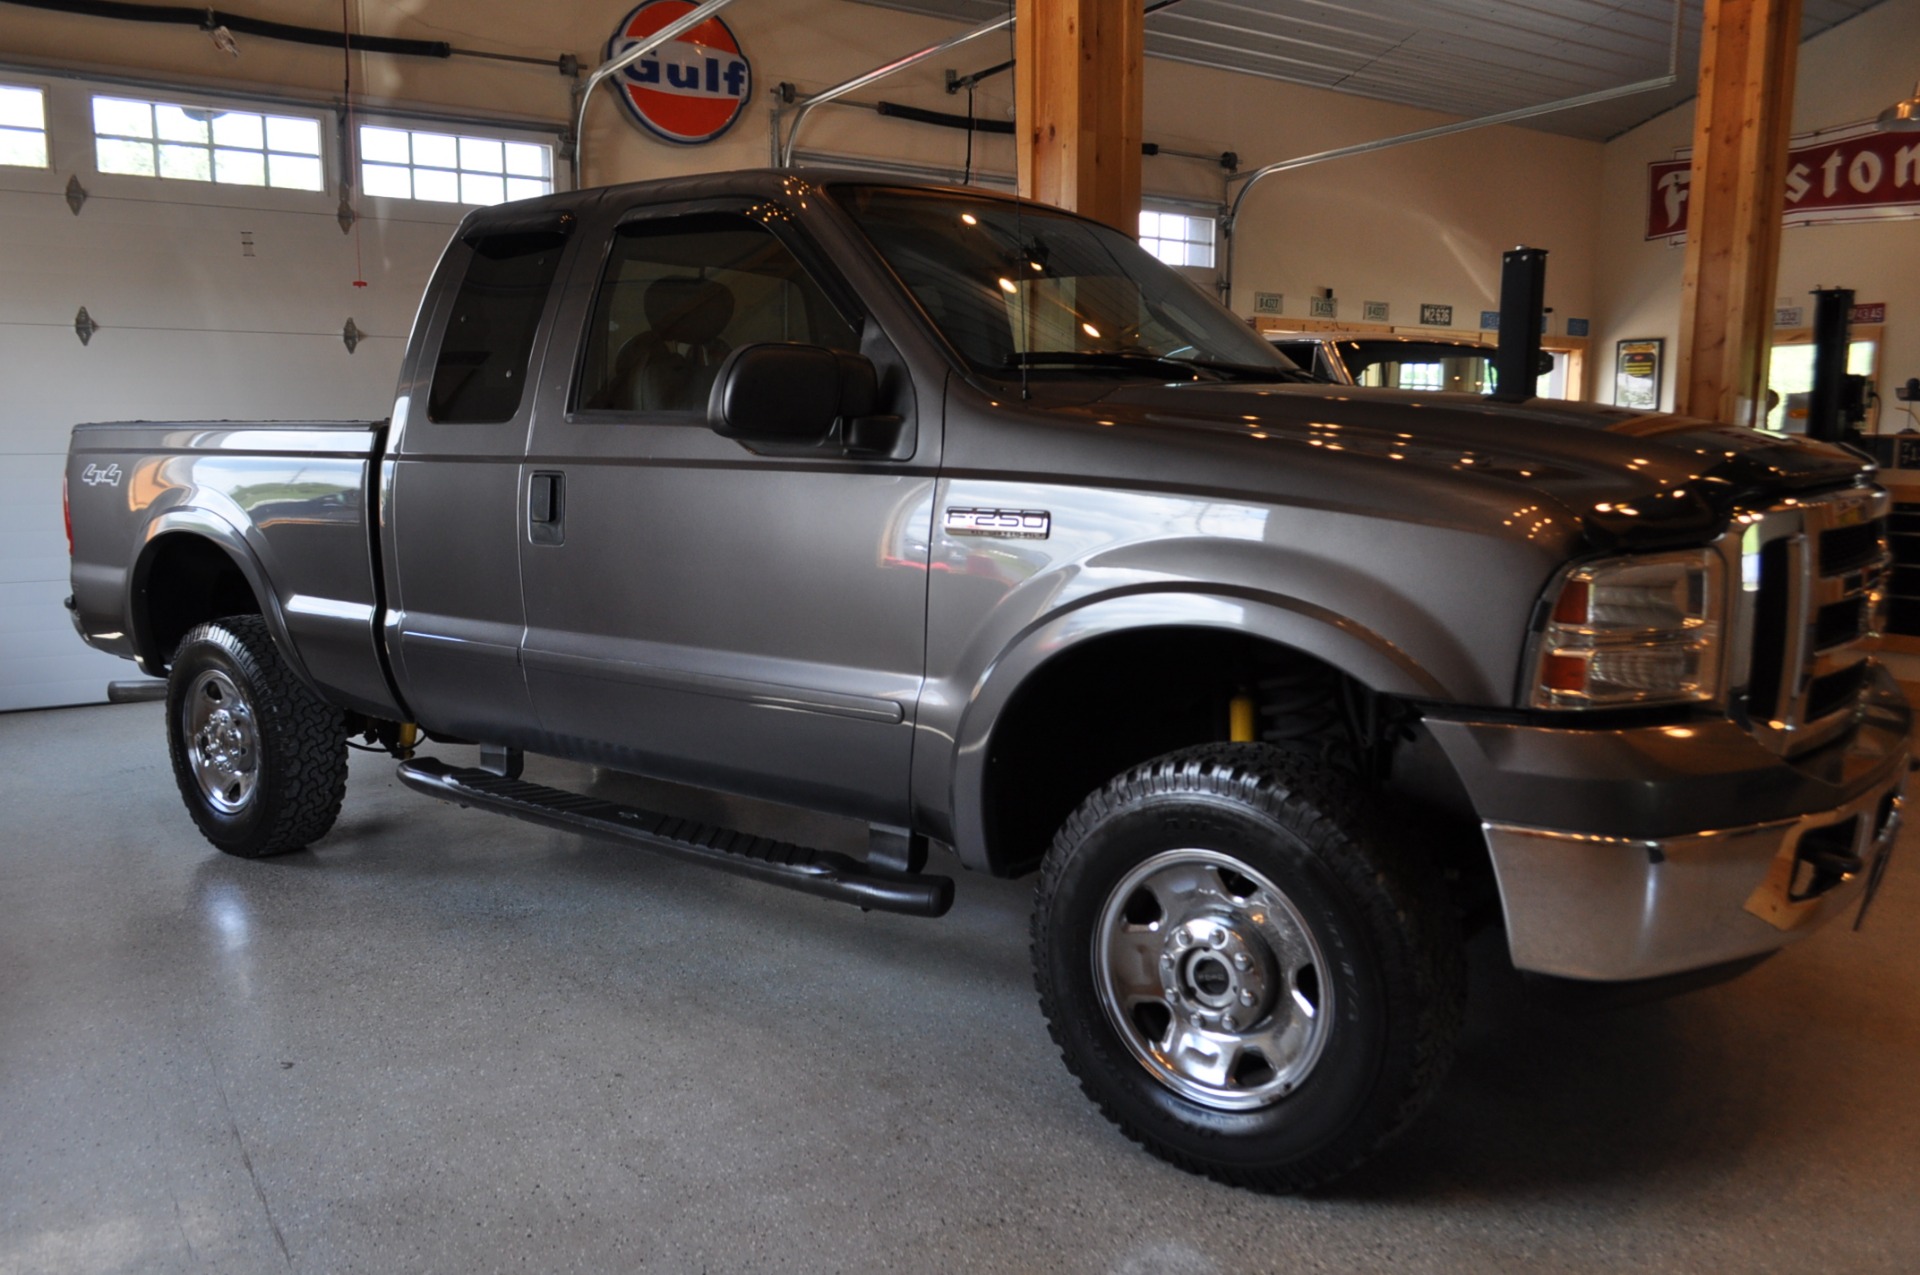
x=1116 y=360
x=1126 y=361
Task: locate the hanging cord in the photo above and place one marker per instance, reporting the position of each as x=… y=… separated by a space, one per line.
x=349 y=177
x=1019 y=201
x=966 y=175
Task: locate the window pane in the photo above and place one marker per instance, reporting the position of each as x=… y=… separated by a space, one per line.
x=479 y=155
x=384 y=145
x=112 y=156
x=237 y=128
x=433 y=184
x=436 y=149
x=478 y=188
x=121 y=118
x=294 y=172
x=176 y=125
x=188 y=163
x=482 y=365
x=677 y=295
x=22 y=108
x=524 y=160
x=295 y=136
x=527 y=188
x=386 y=180
x=19 y=147
x=240 y=168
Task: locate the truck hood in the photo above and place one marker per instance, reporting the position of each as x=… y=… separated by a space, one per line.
x=1629 y=479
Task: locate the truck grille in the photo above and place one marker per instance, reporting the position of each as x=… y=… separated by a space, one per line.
x=1816 y=572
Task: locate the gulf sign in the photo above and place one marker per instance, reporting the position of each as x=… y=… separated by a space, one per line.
x=1845 y=174
x=689 y=90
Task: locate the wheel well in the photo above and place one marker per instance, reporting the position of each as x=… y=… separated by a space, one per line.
x=1111 y=703
x=187 y=580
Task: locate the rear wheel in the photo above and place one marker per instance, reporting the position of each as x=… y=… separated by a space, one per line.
x=261 y=760
x=1248 y=978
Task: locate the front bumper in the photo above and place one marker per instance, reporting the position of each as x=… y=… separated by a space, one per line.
x=1637 y=853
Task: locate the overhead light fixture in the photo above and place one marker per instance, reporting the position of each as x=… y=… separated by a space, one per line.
x=1901 y=117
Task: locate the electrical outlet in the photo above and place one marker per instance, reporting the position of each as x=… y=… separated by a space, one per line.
x=1909 y=392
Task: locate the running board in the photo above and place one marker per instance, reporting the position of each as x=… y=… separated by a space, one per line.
x=821 y=872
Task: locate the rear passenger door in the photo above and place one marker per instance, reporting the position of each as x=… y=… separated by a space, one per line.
x=696 y=609
x=450 y=503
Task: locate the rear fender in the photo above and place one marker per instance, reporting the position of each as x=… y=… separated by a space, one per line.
x=249 y=554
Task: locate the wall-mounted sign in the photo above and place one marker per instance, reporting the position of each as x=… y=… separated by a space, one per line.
x=1636 y=373
x=1436 y=316
x=1323 y=307
x=1268 y=302
x=1789 y=316
x=1374 y=311
x=1579 y=327
x=1489 y=320
x=1871 y=312
x=689 y=90
x=1845 y=174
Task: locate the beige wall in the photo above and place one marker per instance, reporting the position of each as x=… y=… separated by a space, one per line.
x=1847 y=75
x=1422 y=223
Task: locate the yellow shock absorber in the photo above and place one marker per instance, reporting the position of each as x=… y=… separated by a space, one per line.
x=403 y=743
x=1240 y=719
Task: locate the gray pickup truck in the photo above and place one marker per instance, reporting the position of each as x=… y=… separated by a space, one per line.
x=967 y=519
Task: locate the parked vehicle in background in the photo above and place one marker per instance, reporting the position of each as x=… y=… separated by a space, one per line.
x=1395 y=362
x=967 y=519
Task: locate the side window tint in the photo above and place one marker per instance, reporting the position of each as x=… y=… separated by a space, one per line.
x=680 y=294
x=481 y=373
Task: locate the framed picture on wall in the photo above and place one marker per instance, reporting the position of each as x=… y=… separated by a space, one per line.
x=1636 y=373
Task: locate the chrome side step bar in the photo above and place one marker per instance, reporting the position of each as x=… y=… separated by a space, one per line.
x=820 y=872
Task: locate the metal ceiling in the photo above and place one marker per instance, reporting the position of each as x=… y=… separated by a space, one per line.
x=1459 y=57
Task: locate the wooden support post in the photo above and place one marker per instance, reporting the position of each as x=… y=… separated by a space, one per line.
x=1077 y=106
x=1738 y=191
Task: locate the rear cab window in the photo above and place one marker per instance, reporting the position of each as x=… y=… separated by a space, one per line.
x=480 y=373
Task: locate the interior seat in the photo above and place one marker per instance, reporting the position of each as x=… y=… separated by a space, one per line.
x=671 y=366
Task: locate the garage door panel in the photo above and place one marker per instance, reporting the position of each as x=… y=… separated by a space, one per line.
x=157 y=264
x=42 y=660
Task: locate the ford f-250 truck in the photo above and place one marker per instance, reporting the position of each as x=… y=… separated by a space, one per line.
x=966 y=518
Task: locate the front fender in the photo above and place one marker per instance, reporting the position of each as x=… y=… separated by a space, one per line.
x=1367 y=656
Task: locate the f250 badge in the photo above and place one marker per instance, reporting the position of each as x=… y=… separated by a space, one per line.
x=93 y=475
x=1005 y=524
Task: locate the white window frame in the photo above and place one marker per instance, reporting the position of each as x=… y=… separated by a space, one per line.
x=14 y=130
x=1178 y=237
x=472 y=158
x=267 y=148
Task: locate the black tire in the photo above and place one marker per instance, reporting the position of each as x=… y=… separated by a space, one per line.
x=260 y=759
x=1231 y=875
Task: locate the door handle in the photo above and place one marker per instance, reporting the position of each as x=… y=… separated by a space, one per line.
x=546 y=508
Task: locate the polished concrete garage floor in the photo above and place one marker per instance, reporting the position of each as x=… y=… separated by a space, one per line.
x=444 y=1041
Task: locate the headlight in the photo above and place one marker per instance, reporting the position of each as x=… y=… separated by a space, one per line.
x=1641 y=630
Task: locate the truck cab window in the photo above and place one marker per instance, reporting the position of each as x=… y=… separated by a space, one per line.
x=482 y=369
x=679 y=295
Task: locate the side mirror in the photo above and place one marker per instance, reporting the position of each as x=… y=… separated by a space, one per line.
x=788 y=393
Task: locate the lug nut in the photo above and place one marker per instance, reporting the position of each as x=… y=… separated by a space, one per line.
x=1218 y=938
x=1241 y=961
x=1182 y=938
x=1247 y=998
x=1227 y=1022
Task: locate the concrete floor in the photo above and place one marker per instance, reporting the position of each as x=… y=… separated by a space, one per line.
x=445 y=1041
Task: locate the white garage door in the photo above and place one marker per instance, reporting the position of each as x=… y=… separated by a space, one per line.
x=215 y=300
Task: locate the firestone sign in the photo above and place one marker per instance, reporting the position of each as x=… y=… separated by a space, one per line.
x=691 y=89
x=1847 y=174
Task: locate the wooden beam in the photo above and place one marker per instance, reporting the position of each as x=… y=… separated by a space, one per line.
x=1077 y=106
x=1741 y=125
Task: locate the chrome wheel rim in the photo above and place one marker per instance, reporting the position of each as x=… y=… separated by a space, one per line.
x=1212 y=979
x=223 y=747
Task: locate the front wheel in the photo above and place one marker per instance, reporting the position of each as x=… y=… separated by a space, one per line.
x=260 y=759
x=1248 y=979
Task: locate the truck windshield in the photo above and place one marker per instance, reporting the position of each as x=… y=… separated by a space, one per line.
x=1025 y=287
